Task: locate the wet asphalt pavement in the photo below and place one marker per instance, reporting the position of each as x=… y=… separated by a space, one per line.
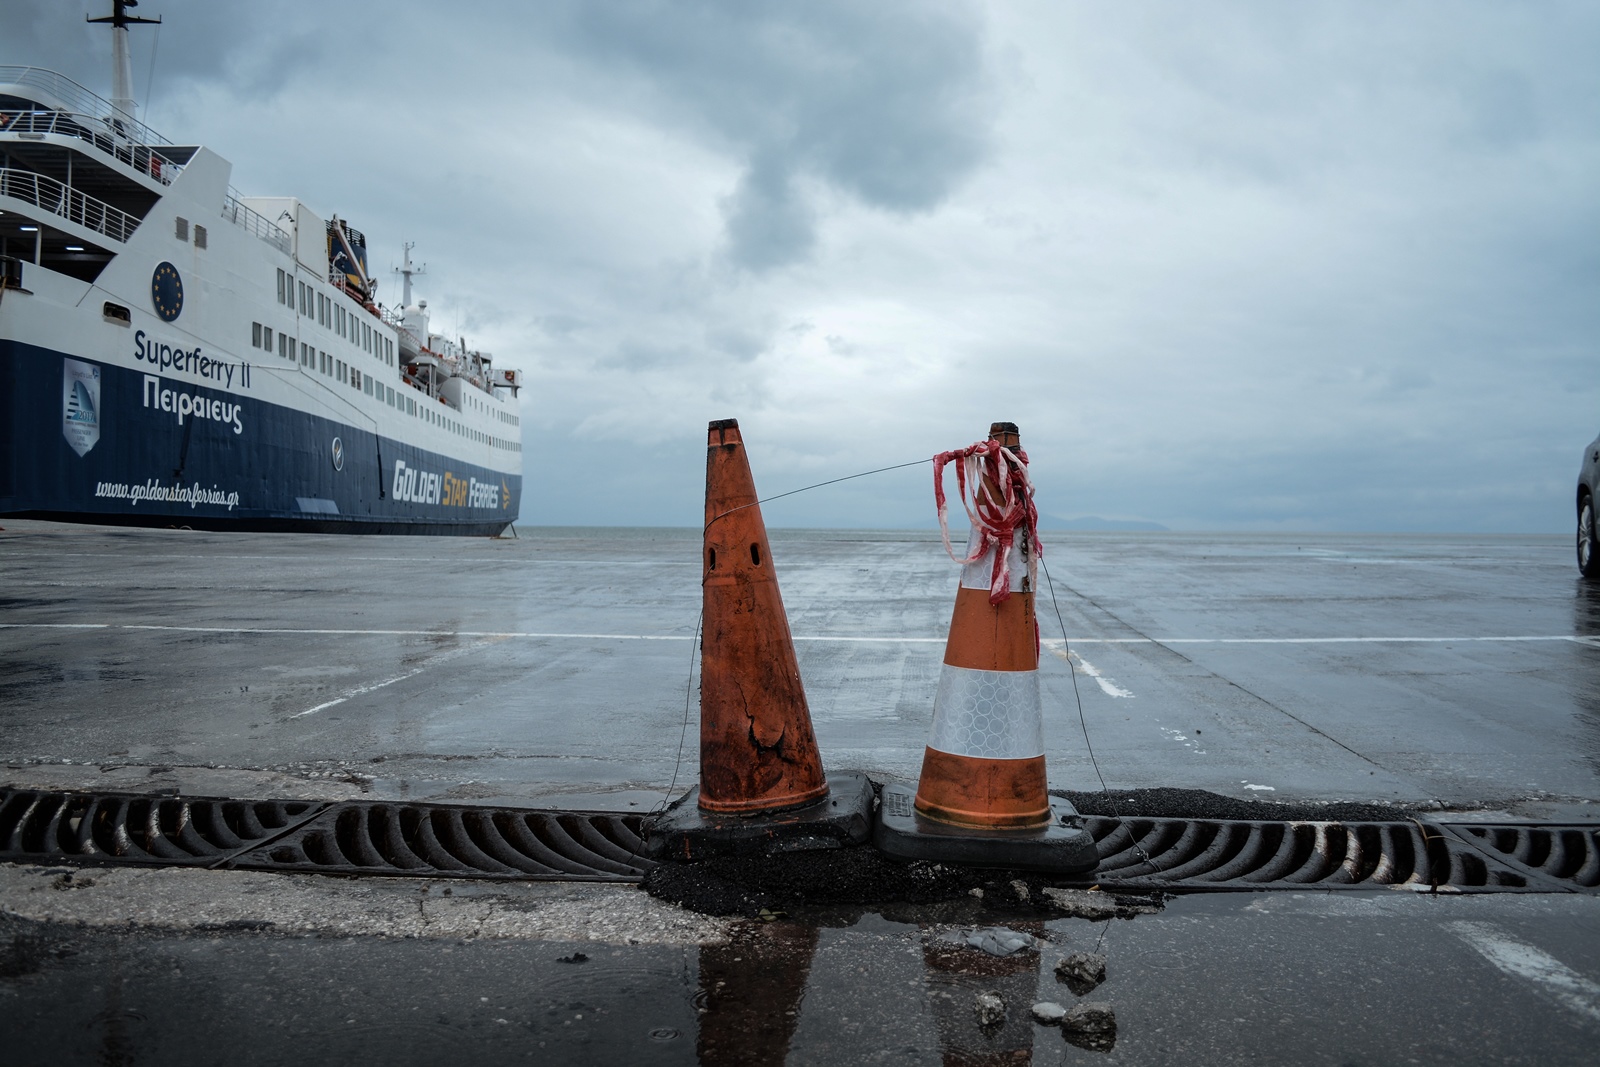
x=553 y=670
x=1222 y=979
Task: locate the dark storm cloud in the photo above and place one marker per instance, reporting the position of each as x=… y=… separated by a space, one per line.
x=770 y=222
x=886 y=102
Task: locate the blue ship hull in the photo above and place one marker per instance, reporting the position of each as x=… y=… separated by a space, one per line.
x=83 y=441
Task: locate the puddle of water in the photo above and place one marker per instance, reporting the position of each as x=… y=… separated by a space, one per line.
x=827 y=990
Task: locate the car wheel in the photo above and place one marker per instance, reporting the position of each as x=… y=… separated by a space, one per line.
x=1588 y=551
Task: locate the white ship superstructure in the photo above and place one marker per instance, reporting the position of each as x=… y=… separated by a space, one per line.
x=175 y=353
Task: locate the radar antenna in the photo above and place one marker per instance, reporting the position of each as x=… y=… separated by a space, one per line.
x=406 y=272
x=121 y=55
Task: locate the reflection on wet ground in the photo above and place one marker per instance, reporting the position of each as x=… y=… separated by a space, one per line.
x=749 y=994
x=842 y=989
x=1248 y=978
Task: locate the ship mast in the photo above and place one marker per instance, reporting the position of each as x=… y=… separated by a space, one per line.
x=406 y=272
x=121 y=55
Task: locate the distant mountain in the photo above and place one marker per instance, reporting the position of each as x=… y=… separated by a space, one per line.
x=1094 y=522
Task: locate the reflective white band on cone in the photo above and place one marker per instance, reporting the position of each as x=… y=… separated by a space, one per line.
x=987 y=714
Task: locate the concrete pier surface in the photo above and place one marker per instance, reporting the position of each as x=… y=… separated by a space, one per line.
x=556 y=669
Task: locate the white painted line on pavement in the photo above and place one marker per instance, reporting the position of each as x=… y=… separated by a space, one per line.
x=1049 y=642
x=333 y=561
x=363 y=689
x=410 y=633
x=56 y=625
x=1107 y=686
x=357 y=691
x=1552 y=977
x=1305 y=640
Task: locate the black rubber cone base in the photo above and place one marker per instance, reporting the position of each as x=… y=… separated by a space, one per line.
x=842 y=818
x=1063 y=847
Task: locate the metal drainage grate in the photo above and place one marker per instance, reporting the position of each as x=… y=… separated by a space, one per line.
x=466 y=842
x=122 y=828
x=1214 y=854
x=1566 y=854
x=419 y=840
x=432 y=840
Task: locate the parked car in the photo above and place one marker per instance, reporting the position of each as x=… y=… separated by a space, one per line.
x=1588 y=482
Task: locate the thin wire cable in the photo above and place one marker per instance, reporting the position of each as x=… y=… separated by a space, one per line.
x=150 y=77
x=683 y=735
x=807 y=488
x=1066 y=649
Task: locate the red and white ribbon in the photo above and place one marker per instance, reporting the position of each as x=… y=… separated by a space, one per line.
x=998 y=497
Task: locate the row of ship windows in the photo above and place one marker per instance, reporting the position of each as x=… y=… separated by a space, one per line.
x=481 y=405
x=338 y=369
x=300 y=296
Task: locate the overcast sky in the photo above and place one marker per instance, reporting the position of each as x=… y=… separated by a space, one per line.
x=1236 y=266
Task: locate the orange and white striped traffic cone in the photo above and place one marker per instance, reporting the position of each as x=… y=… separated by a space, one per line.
x=982 y=797
x=762 y=787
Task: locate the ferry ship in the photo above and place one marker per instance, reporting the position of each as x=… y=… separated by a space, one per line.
x=174 y=353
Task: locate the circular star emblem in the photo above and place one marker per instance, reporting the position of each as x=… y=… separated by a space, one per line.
x=166 y=291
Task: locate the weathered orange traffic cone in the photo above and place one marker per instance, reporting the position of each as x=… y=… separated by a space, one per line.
x=757 y=749
x=762 y=787
x=982 y=796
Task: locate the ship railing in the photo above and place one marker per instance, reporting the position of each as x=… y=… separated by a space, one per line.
x=47 y=194
x=255 y=223
x=95 y=131
x=76 y=98
x=337 y=279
